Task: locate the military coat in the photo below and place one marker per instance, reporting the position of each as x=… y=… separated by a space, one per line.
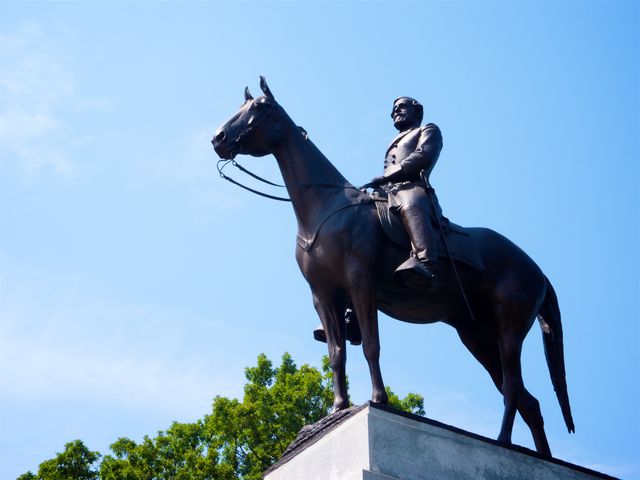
x=412 y=151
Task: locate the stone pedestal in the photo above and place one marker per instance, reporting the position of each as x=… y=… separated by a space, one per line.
x=380 y=443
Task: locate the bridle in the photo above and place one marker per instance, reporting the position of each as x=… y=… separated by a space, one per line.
x=307 y=243
x=246 y=130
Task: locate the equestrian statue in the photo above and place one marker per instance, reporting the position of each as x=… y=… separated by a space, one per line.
x=392 y=251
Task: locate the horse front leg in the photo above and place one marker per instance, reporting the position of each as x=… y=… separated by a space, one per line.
x=331 y=315
x=364 y=304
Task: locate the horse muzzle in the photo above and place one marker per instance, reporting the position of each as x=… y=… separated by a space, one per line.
x=225 y=149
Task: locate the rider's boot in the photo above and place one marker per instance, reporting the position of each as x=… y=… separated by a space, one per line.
x=417 y=274
x=319 y=335
x=420 y=271
x=352 y=329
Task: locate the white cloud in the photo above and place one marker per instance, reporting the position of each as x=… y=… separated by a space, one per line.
x=63 y=339
x=197 y=159
x=44 y=369
x=193 y=163
x=37 y=92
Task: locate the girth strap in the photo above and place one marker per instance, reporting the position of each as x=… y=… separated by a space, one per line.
x=307 y=243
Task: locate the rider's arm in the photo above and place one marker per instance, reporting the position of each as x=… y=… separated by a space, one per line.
x=424 y=157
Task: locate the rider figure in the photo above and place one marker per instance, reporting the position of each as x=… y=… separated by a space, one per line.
x=414 y=150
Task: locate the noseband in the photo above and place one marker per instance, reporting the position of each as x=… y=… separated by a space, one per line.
x=245 y=131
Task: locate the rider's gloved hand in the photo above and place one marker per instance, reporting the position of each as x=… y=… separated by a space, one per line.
x=377 y=181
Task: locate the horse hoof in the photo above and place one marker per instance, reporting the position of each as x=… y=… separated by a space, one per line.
x=341 y=405
x=380 y=399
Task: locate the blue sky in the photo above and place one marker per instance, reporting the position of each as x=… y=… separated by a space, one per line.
x=132 y=286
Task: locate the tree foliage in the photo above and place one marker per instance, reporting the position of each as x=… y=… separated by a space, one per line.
x=277 y=403
x=412 y=403
x=237 y=440
x=76 y=462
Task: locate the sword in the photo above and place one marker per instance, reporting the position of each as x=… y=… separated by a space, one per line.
x=430 y=193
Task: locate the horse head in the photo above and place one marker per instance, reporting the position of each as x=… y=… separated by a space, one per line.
x=254 y=130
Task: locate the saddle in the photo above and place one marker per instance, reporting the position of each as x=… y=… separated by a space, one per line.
x=461 y=244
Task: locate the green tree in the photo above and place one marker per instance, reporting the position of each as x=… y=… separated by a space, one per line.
x=237 y=440
x=76 y=462
x=277 y=403
x=27 y=476
x=183 y=452
x=412 y=403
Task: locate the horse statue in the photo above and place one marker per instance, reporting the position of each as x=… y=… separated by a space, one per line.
x=348 y=260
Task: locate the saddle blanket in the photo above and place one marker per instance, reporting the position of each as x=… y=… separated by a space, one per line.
x=461 y=244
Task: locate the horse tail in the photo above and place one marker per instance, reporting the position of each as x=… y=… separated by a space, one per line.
x=549 y=318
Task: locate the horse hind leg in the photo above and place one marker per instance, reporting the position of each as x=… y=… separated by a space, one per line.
x=512 y=385
x=485 y=349
x=529 y=409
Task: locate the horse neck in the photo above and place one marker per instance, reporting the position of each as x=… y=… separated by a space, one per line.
x=308 y=175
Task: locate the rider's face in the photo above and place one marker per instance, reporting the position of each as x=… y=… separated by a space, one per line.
x=403 y=114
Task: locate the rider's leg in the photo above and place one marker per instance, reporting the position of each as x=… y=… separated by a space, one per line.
x=416 y=217
x=353 y=329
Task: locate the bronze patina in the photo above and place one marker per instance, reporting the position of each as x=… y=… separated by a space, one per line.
x=348 y=260
x=408 y=163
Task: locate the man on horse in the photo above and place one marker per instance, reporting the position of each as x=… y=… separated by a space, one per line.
x=407 y=165
x=409 y=160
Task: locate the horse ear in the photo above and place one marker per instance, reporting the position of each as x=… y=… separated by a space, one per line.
x=247 y=95
x=265 y=88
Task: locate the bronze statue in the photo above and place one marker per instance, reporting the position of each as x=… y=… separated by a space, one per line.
x=408 y=162
x=348 y=259
x=414 y=151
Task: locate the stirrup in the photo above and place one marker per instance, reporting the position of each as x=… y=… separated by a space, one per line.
x=416 y=275
x=352 y=332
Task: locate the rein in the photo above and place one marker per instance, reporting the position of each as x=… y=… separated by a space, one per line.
x=244 y=132
x=264 y=180
x=257 y=177
x=305 y=243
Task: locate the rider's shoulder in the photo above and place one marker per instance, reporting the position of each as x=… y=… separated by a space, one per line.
x=431 y=129
x=430 y=126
